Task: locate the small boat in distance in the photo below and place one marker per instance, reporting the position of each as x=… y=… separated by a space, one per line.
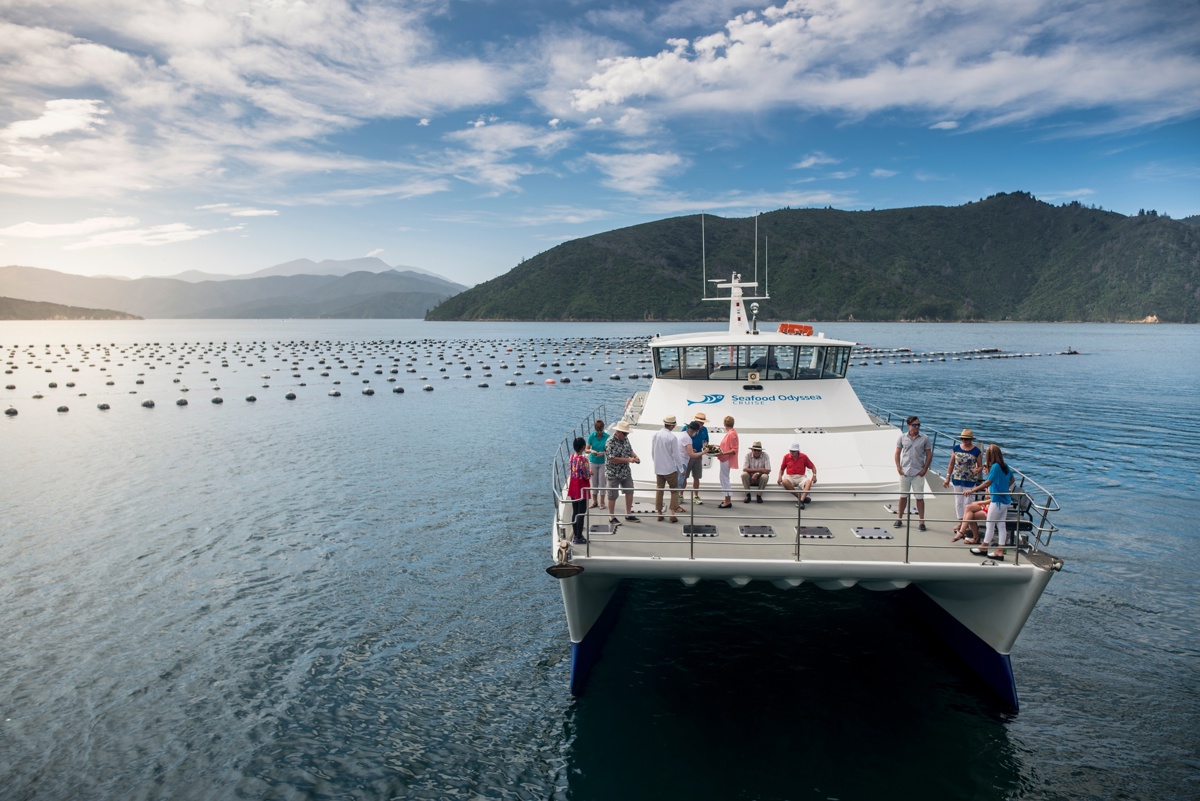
x=789 y=386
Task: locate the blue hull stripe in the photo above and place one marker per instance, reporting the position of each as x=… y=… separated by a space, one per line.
x=585 y=654
x=994 y=668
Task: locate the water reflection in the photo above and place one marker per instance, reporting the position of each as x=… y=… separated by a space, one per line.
x=716 y=693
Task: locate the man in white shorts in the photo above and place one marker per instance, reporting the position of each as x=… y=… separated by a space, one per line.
x=914 y=453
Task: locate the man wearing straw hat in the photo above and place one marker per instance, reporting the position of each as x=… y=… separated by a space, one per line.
x=757 y=472
x=618 y=455
x=695 y=467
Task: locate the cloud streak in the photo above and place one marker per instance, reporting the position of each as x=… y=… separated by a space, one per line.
x=992 y=63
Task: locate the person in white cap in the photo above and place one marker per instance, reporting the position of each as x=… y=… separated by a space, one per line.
x=664 y=449
x=792 y=473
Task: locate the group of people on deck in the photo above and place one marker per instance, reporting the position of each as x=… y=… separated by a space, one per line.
x=600 y=464
x=970 y=471
x=599 y=467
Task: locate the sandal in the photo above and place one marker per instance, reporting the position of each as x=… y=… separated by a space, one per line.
x=979 y=551
x=974 y=541
x=725 y=506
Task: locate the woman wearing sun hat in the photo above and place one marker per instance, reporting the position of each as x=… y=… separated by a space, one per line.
x=963 y=473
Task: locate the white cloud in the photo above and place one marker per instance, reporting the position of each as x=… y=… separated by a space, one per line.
x=392 y=191
x=375 y=253
x=153 y=236
x=172 y=94
x=744 y=204
x=1065 y=194
x=60 y=116
x=636 y=173
x=945 y=125
x=880 y=172
x=92 y=225
x=570 y=215
x=813 y=159
x=238 y=211
x=992 y=63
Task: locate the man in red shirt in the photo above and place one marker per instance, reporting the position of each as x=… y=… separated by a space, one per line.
x=792 y=474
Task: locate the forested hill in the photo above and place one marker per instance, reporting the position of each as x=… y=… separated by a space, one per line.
x=1010 y=256
x=13 y=309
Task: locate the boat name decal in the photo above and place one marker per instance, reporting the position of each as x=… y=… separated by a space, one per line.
x=759 y=400
x=708 y=399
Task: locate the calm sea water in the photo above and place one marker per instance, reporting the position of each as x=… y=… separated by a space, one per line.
x=344 y=597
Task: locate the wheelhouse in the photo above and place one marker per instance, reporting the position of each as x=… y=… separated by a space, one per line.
x=759 y=362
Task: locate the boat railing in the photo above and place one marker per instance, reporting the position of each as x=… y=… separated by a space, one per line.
x=1031 y=499
x=561 y=468
x=1028 y=517
x=1025 y=529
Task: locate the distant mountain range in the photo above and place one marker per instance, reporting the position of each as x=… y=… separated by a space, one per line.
x=368 y=264
x=1009 y=256
x=344 y=290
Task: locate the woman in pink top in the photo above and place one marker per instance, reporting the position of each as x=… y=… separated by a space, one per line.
x=729 y=459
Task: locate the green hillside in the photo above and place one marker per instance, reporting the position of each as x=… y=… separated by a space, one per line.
x=13 y=309
x=1007 y=257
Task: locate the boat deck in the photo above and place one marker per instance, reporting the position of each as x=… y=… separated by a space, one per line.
x=834 y=529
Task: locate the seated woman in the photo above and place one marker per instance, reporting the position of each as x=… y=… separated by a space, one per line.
x=976 y=510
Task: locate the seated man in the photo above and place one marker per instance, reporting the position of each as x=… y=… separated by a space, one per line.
x=792 y=474
x=757 y=471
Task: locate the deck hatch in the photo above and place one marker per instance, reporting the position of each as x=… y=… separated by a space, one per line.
x=756 y=531
x=814 y=532
x=702 y=530
x=872 y=533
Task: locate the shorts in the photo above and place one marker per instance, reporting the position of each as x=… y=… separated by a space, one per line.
x=695 y=468
x=914 y=486
x=624 y=483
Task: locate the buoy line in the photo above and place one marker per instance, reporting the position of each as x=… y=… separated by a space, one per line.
x=114 y=369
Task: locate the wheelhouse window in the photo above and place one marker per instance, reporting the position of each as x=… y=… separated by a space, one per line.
x=763 y=362
x=666 y=363
x=836 y=362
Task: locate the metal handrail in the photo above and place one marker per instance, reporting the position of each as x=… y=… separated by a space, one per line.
x=1043 y=508
x=1038 y=511
x=751 y=515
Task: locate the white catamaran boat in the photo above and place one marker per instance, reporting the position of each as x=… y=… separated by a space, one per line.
x=783 y=387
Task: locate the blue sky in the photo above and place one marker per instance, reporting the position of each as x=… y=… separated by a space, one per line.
x=149 y=137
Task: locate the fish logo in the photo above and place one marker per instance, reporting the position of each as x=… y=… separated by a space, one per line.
x=708 y=399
